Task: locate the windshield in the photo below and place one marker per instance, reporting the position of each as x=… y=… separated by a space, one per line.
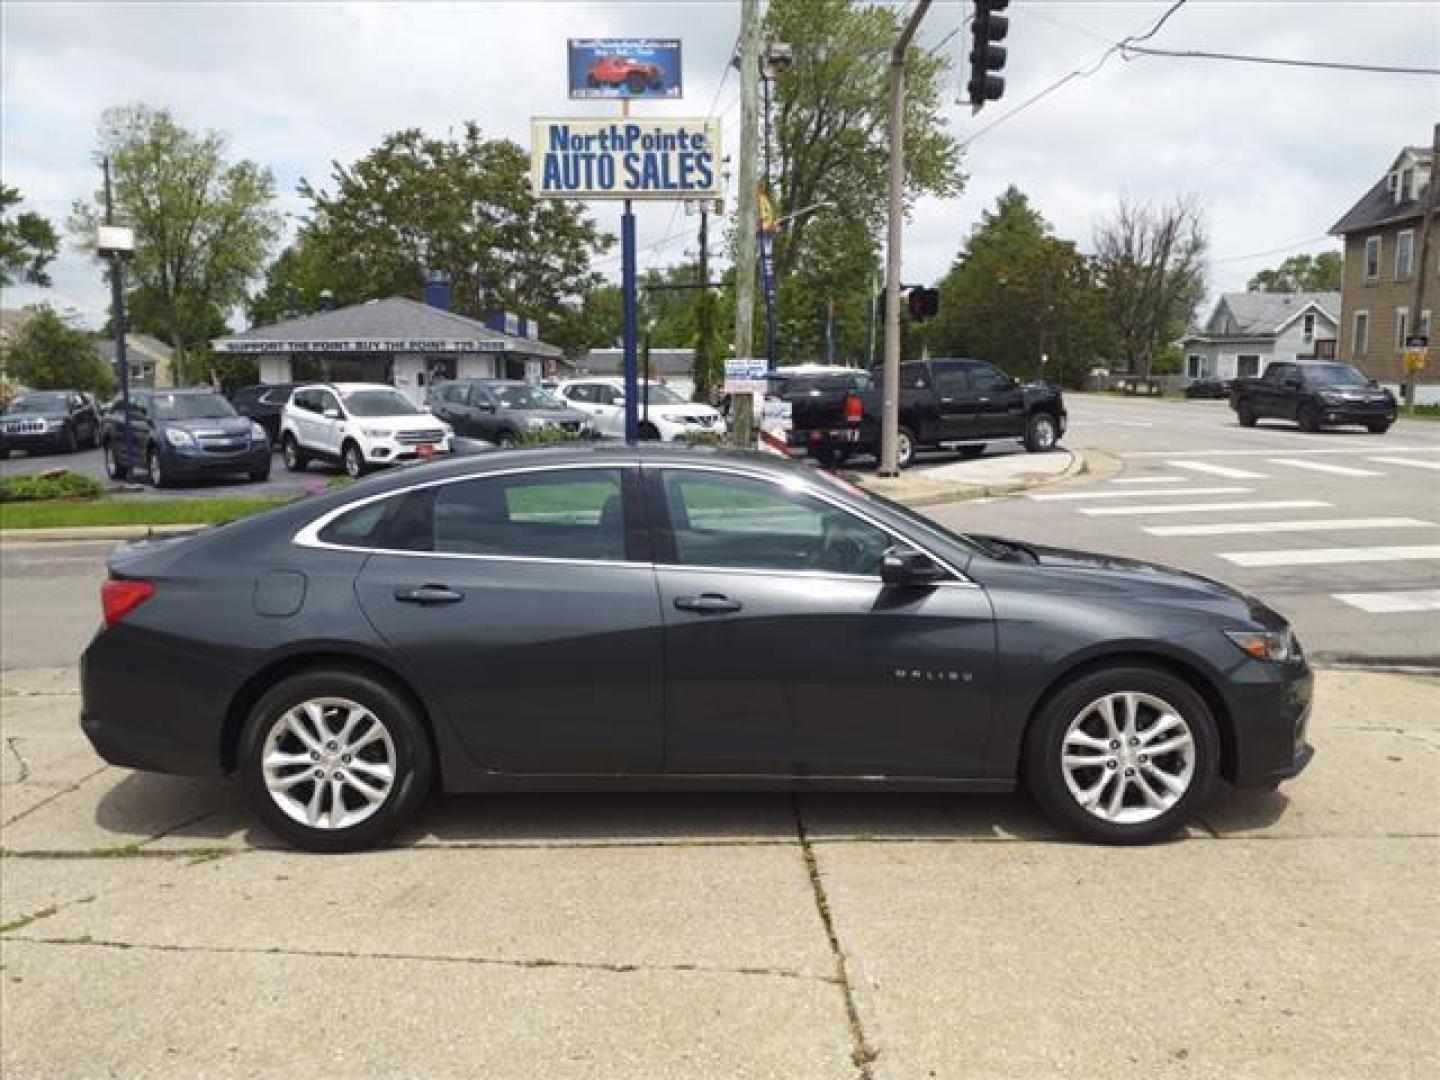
x=662 y=395
x=819 y=384
x=917 y=521
x=1336 y=375
x=526 y=397
x=378 y=403
x=190 y=407
x=39 y=403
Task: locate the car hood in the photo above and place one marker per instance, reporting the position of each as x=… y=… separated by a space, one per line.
x=407 y=422
x=218 y=425
x=1355 y=393
x=54 y=415
x=553 y=416
x=681 y=411
x=1134 y=581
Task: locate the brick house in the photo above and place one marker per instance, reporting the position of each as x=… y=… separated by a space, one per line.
x=1382 y=235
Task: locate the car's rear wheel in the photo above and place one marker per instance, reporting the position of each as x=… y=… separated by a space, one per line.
x=1245 y=415
x=294 y=457
x=1378 y=427
x=648 y=432
x=904 y=448
x=1308 y=418
x=335 y=760
x=68 y=442
x=1123 y=755
x=353 y=460
x=1041 y=433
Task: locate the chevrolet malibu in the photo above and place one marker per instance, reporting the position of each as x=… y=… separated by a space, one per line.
x=679 y=619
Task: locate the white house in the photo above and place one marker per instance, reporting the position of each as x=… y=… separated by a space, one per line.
x=1249 y=330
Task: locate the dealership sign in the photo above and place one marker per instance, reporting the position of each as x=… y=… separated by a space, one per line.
x=625 y=159
x=628 y=68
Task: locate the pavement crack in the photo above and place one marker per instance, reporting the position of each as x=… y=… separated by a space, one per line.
x=532 y=964
x=67 y=790
x=20 y=758
x=861 y=1053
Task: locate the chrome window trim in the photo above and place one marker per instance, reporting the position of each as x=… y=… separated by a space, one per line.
x=308 y=535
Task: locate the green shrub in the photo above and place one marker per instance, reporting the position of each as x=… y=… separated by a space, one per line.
x=48 y=487
x=547 y=436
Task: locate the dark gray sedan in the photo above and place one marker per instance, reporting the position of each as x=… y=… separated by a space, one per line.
x=674 y=618
x=505 y=411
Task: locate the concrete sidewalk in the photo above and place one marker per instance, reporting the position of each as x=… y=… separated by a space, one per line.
x=948 y=481
x=151 y=929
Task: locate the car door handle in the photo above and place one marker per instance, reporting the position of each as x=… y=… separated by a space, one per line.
x=707 y=604
x=429 y=594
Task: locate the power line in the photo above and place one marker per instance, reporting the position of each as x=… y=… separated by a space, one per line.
x=1078 y=73
x=1272 y=251
x=1329 y=65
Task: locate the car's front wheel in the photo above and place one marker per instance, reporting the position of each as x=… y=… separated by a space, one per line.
x=294 y=457
x=1308 y=418
x=1123 y=755
x=155 y=469
x=335 y=760
x=113 y=468
x=1378 y=427
x=1041 y=433
x=1245 y=415
x=353 y=460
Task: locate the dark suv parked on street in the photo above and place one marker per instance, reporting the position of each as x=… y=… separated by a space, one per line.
x=183 y=434
x=263 y=403
x=49 y=420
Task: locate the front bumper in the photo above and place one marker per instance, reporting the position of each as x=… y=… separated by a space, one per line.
x=391 y=450
x=34 y=442
x=1356 y=412
x=1270 y=712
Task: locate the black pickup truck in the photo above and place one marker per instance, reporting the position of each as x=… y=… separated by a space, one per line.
x=960 y=403
x=1314 y=396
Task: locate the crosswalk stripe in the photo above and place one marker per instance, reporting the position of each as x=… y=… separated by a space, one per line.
x=1332 y=556
x=1345 y=446
x=1392 y=603
x=1325 y=467
x=1413 y=462
x=1318 y=525
x=1216 y=470
x=1201 y=507
x=1151 y=480
x=1070 y=495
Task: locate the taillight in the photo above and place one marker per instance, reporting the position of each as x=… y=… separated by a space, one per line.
x=854 y=410
x=119 y=597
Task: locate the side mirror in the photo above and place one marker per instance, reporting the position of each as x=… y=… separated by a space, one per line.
x=332 y=414
x=906 y=566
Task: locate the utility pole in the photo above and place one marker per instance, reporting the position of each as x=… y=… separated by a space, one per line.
x=890 y=413
x=1417 y=305
x=117 y=316
x=746 y=226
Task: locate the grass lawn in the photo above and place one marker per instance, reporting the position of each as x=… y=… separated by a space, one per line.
x=61 y=515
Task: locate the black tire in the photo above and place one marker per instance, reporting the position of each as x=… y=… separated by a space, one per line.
x=155 y=469
x=832 y=457
x=293 y=454
x=1042 y=433
x=507 y=440
x=648 y=433
x=353 y=461
x=4 y=453
x=969 y=453
x=1379 y=427
x=905 y=448
x=1245 y=415
x=413 y=763
x=1308 y=418
x=113 y=468
x=260 y=475
x=68 y=442
x=1044 y=744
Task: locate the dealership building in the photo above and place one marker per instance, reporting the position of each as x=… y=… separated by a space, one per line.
x=398 y=341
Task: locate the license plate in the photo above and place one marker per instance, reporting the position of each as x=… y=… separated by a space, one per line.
x=425 y=450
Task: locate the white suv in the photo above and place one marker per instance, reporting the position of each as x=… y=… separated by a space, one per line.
x=664 y=414
x=360 y=425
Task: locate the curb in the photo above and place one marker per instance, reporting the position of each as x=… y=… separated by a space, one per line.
x=13 y=537
x=1082 y=462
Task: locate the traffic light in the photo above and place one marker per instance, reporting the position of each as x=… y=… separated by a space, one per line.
x=986 y=57
x=923 y=304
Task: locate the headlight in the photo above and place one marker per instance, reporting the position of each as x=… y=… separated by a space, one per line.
x=375 y=432
x=1276 y=646
x=258 y=433
x=176 y=437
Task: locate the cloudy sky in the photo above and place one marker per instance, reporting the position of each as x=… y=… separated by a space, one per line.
x=1276 y=155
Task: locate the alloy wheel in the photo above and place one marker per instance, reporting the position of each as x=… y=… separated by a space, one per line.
x=1128 y=757
x=1044 y=433
x=354 y=464
x=329 y=763
x=155 y=469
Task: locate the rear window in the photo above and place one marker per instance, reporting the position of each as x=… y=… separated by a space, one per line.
x=822 y=384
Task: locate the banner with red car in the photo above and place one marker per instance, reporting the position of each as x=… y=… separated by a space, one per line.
x=623 y=68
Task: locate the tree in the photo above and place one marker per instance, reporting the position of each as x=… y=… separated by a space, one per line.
x=1150 y=263
x=460 y=206
x=28 y=243
x=830 y=110
x=1015 y=293
x=49 y=354
x=203 y=225
x=1300 y=273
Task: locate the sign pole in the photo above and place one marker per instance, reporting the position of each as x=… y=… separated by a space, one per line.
x=627 y=288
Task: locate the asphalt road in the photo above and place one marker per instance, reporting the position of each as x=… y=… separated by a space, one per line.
x=1339 y=531
x=1364 y=538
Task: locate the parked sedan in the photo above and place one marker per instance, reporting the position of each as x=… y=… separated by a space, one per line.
x=504 y=411
x=621 y=617
x=54 y=421
x=179 y=435
x=1207 y=387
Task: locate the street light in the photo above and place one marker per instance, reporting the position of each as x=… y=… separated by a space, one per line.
x=777 y=58
x=117 y=243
